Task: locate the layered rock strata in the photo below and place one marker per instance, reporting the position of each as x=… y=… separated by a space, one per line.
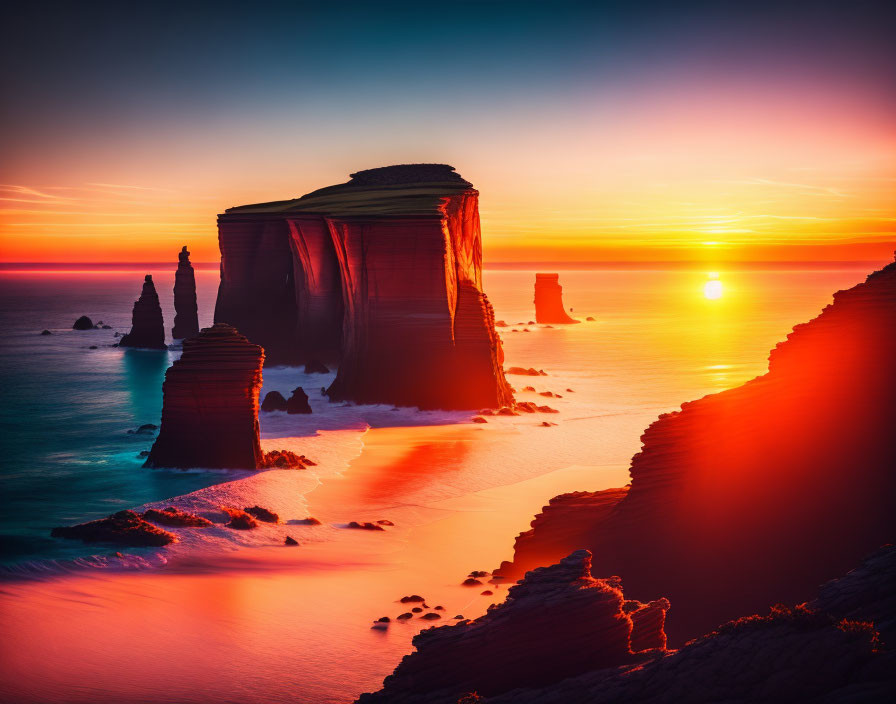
x=186 y=314
x=147 y=327
x=837 y=648
x=558 y=622
x=549 y=300
x=210 y=404
x=392 y=261
x=755 y=495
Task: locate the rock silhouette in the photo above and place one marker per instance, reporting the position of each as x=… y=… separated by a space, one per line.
x=273 y=401
x=186 y=316
x=82 y=323
x=823 y=651
x=558 y=622
x=298 y=402
x=210 y=404
x=384 y=272
x=753 y=496
x=147 y=327
x=549 y=300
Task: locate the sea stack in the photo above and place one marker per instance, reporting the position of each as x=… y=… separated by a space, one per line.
x=147 y=327
x=549 y=300
x=210 y=404
x=186 y=317
x=385 y=273
x=755 y=495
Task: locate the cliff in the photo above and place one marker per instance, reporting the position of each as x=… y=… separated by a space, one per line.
x=753 y=496
x=210 y=404
x=186 y=315
x=549 y=300
x=837 y=648
x=147 y=327
x=558 y=622
x=385 y=274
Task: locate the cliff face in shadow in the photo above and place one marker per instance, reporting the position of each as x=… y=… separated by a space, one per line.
x=559 y=622
x=560 y=639
x=210 y=404
x=384 y=274
x=837 y=648
x=549 y=300
x=257 y=292
x=755 y=495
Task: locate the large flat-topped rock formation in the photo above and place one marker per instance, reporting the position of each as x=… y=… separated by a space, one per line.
x=210 y=404
x=755 y=495
x=384 y=273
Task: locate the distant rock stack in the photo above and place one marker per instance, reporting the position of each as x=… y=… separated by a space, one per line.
x=210 y=404
x=558 y=622
x=147 y=327
x=186 y=317
x=549 y=300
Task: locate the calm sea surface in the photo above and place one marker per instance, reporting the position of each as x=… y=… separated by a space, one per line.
x=67 y=455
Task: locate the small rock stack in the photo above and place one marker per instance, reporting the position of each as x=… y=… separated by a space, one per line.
x=186 y=316
x=210 y=404
x=549 y=300
x=147 y=327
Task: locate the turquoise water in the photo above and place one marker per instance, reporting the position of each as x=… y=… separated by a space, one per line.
x=67 y=454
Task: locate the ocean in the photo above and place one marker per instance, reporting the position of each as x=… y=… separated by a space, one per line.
x=236 y=607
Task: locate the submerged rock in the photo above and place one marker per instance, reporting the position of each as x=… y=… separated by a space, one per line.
x=122 y=528
x=364 y=526
x=47 y=332
x=186 y=317
x=147 y=327
x=290 y=541
x=315 y=366
x=522 y=371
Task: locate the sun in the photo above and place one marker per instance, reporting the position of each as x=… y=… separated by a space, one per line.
x=712 y=289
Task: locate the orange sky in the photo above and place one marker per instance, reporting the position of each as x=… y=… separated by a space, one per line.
x=732 y=167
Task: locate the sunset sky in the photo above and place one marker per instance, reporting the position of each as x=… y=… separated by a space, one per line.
x=625 y=131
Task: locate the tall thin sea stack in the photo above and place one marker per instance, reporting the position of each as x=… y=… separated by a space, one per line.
x=210 y=404
x=186 y=316
x=147 y=326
